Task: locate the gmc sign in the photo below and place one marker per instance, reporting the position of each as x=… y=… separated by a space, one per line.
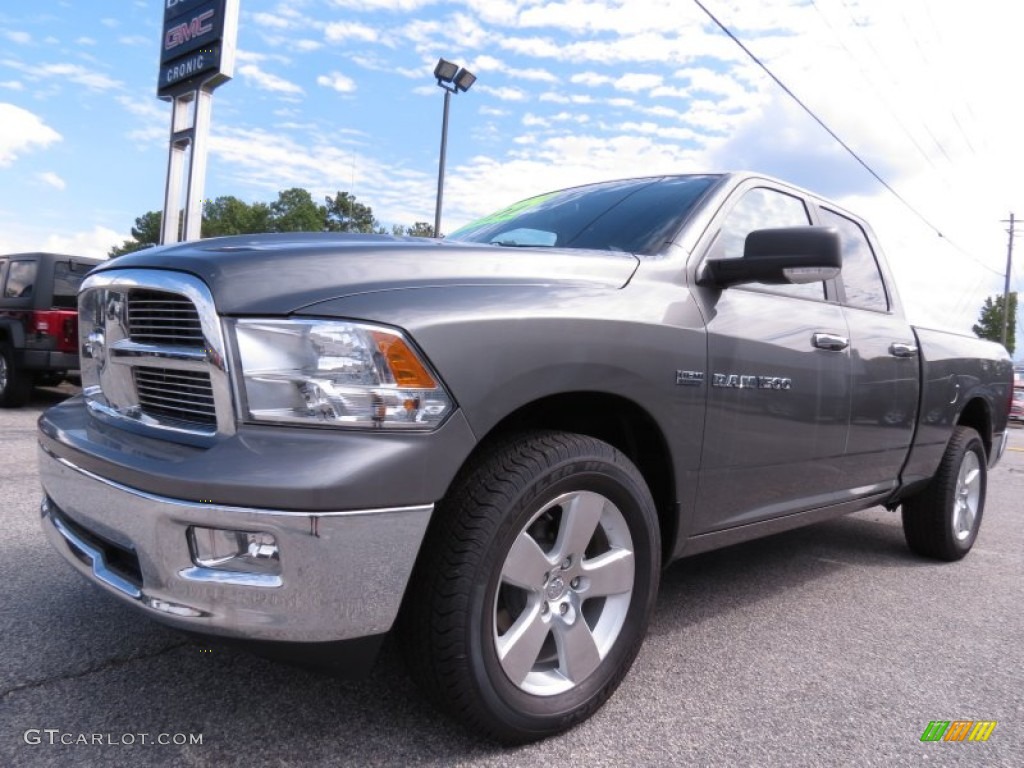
x=197 y=45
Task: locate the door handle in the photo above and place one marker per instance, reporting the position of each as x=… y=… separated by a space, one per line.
x=830 y=341
x=902 y=349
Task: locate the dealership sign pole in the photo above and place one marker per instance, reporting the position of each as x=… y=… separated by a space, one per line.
x=197 y=53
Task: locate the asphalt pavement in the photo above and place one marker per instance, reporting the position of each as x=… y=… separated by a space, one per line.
x=830 y=645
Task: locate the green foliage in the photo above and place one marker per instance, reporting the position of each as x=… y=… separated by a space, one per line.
x=145 y=233
x=344 y=214
x=293 y=211
x=420 y=229
x=990 y=321
x=230 y=216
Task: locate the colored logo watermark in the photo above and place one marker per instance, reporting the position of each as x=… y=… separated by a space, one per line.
x=958 y=730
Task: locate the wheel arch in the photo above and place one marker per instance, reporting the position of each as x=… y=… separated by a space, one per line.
x=977 y=416
x=617 y=421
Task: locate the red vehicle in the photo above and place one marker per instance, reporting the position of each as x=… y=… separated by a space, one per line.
x=38 y=321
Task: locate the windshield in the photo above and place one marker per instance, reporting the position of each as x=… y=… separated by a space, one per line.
x=636 y=215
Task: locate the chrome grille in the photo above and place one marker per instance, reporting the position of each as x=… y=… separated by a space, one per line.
x=153 y=355
x=167 y=393
x=157 y=317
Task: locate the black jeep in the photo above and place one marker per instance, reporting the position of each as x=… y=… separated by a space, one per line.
x=38 y=321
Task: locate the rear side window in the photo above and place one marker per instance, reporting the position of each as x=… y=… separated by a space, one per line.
x=67 y=278
x=21 y=276
x=861 y=278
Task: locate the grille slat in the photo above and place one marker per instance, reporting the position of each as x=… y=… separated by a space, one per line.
x=185 y=396
x=163 y=318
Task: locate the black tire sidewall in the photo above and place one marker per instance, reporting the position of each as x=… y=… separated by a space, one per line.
x=541 y=714
x=974 y=445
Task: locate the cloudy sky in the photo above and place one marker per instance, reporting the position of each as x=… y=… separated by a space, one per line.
x=338 y=95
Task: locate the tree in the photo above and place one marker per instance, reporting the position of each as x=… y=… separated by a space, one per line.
x=228 y=215
x=344 y=214
x=145 y=233
x=420 y=229
x=295 y=211
x=990 y=321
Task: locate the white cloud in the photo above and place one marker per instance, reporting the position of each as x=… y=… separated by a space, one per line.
x=22 y=131
x=79 y=75
x=273 y=20
x=85 y=41
x=12 y=85
x=382 y=5
x=484 y=64
x=590 y=78
x=505 y=93
x=305 y=45
x=134 y=40
x=268 y=82
x=338 y=82
x=51 y=178
x=340 y=31
x=19 y=37
x=638 y=82
x=95 y=242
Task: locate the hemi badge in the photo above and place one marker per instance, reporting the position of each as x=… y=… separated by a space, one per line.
x=690 y=378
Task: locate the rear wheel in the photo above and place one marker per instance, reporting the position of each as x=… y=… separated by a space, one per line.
x=15 y=386
x=534 y=587
x=943 y=520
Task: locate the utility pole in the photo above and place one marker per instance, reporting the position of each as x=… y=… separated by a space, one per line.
x=1006 y=284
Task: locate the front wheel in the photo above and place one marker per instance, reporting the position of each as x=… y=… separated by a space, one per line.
x=943 y=520
x=534 y=586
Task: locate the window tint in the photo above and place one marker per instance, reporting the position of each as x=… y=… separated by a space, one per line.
x=67 y=278
x=637 y=216
x=861 y=278
x=20 y=278
x=764 y=209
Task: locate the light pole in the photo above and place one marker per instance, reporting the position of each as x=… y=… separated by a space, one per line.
x=452 y=79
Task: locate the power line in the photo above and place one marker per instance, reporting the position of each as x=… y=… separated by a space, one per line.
x=835 y=136
x=868 y=81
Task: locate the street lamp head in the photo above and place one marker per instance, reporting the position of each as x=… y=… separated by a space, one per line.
x=464 y=80
x=445 y=71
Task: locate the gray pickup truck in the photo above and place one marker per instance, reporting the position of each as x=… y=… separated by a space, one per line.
x=494 y=443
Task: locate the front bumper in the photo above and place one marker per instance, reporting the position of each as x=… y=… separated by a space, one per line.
x=342 y=574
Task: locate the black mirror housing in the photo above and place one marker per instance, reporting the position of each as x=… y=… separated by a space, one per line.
x=780 y=256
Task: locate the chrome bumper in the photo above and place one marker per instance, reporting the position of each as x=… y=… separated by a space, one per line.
x=342 y=574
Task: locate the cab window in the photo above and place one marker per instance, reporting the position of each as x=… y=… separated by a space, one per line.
x=21 y=276
x=862 y=281
x=763 y=208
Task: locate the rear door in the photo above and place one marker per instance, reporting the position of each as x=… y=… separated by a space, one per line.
x=778 y=380
x=884 y=363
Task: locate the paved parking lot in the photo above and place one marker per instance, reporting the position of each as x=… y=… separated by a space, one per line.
x=831 y=645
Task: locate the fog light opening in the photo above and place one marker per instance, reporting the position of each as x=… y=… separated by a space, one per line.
x=239 y=551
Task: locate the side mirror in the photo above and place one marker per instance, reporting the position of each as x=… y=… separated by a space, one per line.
x=779 y=256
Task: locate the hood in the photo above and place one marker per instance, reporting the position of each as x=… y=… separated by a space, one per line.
x=279 y=274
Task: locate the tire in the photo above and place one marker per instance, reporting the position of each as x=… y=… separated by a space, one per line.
x=943 y=520
x=534 y=587
x=15 y=386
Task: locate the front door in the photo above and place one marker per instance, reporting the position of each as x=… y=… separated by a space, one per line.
x=778 y=385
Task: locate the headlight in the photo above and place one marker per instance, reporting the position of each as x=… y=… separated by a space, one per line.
x=336 y=373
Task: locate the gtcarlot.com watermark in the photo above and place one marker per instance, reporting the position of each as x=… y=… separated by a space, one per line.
x=54 y=736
